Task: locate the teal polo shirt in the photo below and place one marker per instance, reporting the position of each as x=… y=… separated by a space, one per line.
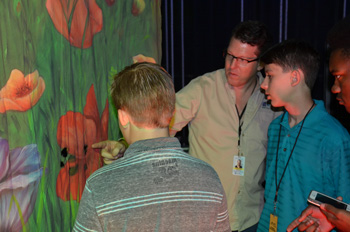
x=320 y=161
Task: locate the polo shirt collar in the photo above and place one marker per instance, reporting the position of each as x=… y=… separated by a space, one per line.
x=311 y=120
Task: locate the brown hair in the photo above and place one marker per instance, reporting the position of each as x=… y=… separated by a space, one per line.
x=295 y=54
x=146 y=92
x=254 y=33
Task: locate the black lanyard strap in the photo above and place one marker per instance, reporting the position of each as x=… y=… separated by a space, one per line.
x=240 y=116
x=278 y=144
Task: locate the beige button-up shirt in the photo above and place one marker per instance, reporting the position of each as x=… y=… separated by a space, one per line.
x=207 y=104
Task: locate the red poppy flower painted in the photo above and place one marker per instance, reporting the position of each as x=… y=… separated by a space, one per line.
x=21 y=93
x=76 y=133
x=110 y=2
x=83 y=16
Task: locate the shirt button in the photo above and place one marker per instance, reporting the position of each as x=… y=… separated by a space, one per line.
x=284 y=149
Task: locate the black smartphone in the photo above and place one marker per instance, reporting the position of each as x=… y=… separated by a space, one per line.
x=317 y=198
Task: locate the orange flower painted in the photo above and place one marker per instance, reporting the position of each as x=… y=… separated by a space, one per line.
x=138 y=6
x=83 y=16
x=141 y=58
x=21 y=93
x=76 y=133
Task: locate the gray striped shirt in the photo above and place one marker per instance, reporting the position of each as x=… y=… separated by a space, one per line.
x=154 y=187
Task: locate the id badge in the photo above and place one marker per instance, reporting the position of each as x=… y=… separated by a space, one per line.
x=273 y=223
x=238 y=165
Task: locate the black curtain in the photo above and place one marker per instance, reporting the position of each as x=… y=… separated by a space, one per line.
x=195 y=32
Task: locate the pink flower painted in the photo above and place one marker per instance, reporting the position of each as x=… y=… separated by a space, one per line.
x=83 y=16
x=19 y=178
x=21 y=93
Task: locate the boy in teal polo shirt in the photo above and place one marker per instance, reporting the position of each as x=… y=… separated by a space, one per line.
x=307 y=148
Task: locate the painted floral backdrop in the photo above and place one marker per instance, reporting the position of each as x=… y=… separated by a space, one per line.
x=57 y=62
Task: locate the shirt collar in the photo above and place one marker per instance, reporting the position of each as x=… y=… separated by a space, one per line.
x=153 y=144
x=314 y=115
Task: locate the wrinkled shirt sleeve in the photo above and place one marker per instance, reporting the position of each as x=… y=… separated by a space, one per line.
x=187 y=104
x=338 y=168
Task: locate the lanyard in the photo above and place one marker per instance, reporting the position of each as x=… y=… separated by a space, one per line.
x=278 y=144
x=240 y=124
x=240 y=116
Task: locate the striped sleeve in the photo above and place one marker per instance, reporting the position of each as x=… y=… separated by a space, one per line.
x=87 y=219
x=222 y=219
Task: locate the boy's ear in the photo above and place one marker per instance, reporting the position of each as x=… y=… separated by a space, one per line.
x=123 y=117
x=295 y=77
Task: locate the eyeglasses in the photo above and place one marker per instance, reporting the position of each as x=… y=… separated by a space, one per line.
x=241 y=61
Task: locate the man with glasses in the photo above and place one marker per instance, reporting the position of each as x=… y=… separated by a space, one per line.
x=228 y=117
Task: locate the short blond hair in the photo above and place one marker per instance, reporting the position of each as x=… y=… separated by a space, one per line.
x=146 y=91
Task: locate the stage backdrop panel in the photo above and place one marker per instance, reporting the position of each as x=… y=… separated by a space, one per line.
x=58 y=58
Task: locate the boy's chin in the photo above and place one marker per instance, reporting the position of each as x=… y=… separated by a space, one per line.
x=275 y=105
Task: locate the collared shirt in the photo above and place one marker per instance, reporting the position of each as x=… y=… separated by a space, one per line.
x=320 y=161
x=154 y=187
x=207 y=105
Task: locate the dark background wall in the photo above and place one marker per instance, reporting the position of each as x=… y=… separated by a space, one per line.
x=195 y=32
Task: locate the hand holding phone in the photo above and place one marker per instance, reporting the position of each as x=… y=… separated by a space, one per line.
x=311 y=219
x=338 y=217
x=324 y=221
x=317 y=198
